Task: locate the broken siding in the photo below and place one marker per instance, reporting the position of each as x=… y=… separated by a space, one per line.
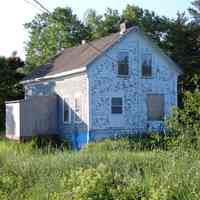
x=104 y=84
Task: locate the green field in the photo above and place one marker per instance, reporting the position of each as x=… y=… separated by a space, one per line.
x=108 y=170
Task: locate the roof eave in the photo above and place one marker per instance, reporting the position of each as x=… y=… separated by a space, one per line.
x=54 y=76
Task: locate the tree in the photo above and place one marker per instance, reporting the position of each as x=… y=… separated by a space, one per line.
x=182 y=44
x=155 y=26
x=10 y=89
x=50 y=33
x=101 y=26
x=93 y=21
x=195 y=11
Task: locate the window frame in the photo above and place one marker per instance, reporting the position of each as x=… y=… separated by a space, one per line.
x=63 y=110
x=163 y=117
x=81 y=108
x=111 y=105
x=123 y=75
x=147 y=76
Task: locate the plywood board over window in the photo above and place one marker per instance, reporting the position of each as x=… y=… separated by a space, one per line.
x=155 y=107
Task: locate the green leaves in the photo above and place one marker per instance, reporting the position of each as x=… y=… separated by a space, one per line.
x=49 y=34
x=10 y=89
x=195 y=11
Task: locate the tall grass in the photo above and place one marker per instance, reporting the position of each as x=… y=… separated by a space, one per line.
x=106 y=170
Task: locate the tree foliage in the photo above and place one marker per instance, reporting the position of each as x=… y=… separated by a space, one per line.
x=49 y=34
x=179 y=37
x=10 y=89
x=185 y=122
x=102 y=25
x=195 y=10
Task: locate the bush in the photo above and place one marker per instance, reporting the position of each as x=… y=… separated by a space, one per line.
x=50 y=143
x=184 y=125
x=131 y=142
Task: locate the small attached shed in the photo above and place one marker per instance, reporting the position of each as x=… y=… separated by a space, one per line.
x=30 y=117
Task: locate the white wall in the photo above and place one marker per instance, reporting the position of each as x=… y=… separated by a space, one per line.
x=35 y=116
x=13 y=120
x=70 y=87
x=104 y=84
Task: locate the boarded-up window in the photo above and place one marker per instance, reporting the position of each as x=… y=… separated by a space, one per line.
x=123 y=64
x=147 y=65
x=155 y=106
x=78 y=109
x=66 y=111
x=116 y=106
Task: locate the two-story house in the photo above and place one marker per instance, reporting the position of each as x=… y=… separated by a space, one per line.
x=122 y=83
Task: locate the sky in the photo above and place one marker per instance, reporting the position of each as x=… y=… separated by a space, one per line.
x=15 y=13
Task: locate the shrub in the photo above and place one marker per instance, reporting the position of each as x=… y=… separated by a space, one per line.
x=50 y=143
x=184 y=124
x=131 y=142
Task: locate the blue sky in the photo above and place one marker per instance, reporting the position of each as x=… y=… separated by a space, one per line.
x=13 y=14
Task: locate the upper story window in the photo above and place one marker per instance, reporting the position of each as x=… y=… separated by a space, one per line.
x=78 y=109
x=147 y=65
x=66 y=111
x=155 y=107
x=116 y=105
x=123 y=63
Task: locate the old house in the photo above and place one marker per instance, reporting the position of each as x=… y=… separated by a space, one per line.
x=122 y=83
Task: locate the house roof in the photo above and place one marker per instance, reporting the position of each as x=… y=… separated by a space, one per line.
x=73 y=59
x=77 y=57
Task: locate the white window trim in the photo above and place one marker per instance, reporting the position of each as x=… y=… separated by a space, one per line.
x=126 y=51
x=120 y=114
x=81 y=107
x=63 y=109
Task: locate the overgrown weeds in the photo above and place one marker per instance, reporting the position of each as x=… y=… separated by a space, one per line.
x=116 y=169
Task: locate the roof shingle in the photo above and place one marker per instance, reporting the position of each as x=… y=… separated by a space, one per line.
x=76 y=57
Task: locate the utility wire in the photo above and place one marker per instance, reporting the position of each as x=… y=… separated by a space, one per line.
x=33 y=5
x=91 y=45
x=42 y=6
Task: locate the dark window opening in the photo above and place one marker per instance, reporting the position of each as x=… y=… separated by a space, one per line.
x=123 y=64
x=147 y=65
x=116 y=105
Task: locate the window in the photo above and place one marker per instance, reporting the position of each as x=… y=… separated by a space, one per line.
x=147 y=65
x=116 y=107
x=155 y=106
x=123 y=64
x=66 y=111
x=78 y=110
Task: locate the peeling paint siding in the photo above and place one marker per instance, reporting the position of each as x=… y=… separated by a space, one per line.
x=104 y=83
x=101 y=83
x=67 y=87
